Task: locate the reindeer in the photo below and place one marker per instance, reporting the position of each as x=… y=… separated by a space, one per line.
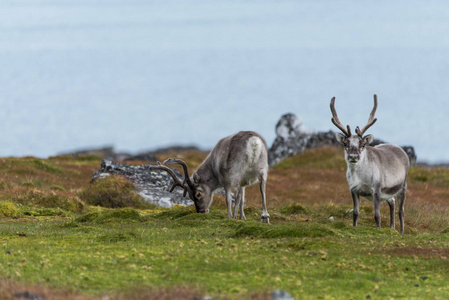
x=235 y=162
x=378 y=173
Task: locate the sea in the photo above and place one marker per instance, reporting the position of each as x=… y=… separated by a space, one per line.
x=140 y=75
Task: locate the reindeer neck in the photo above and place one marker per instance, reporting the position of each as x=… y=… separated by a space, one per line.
x=206 y=173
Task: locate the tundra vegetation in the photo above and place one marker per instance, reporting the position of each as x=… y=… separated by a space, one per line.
x=62 y=238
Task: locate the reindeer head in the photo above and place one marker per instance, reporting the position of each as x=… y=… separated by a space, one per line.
x=354 y=144
x=203 y=192
x=198 y=192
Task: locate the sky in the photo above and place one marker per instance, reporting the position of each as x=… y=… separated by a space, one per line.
x=140 y=75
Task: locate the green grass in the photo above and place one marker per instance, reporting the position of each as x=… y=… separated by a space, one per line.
x=120 y=250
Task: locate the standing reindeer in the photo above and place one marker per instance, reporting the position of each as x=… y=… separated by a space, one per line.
x=235 y=162
x=378 y=173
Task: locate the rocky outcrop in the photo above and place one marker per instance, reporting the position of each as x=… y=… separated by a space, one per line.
x=293 y=138
x=151 y=185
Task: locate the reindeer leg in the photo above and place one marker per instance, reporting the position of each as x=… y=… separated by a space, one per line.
x=238 y=201
x=391 y=204
x=401 y=200
x=228 y=200
x=355 y=211
x=376 y=200
x=265 y=218
x=242 y=203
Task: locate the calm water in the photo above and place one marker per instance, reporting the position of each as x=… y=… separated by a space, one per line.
x=146 y=74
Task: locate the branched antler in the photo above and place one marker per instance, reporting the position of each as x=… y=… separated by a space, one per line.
x=371 y=119
x=176 y=181
x=175 y=160
x=337 y=122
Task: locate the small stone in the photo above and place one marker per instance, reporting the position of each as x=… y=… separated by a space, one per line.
x=27 y=295
x=280 y=295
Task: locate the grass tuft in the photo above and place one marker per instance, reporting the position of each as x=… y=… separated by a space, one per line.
x=50 y=200
x=113 y=192
x=303 y=229
x=44 y=212
x=9 y=209
x=293 y=209
x=106 y=216
x=176 y=213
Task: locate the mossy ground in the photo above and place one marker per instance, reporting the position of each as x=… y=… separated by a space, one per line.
x=132 y=253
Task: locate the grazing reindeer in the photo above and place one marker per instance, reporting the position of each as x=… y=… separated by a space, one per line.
x=235 y=162
x=378 y=173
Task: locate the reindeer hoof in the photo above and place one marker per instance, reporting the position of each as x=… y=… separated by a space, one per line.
x=265 y=219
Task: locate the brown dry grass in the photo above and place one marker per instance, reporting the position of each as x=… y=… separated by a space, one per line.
x=63 y=176
x=306 y=180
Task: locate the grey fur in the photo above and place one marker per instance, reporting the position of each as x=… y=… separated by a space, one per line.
x=377 y=173
x=235 y=162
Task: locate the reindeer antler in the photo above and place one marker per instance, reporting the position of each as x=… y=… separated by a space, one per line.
x=371 y=119
x=175 y=160
x=337 y=122
x=176 y=181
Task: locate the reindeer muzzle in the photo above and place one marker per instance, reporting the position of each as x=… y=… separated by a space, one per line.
x=353 y=158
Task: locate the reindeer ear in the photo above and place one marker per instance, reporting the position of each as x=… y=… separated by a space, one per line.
x=341 y=138
x=196 y=178
x=368 y=139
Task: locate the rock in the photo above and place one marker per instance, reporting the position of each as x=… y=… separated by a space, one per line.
x=147 y=156
x=320 y=139
x=411 y=154
x=293 y=138
x=290 y=139
x=151 y=185
x=28 y=295
x=280 y=295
